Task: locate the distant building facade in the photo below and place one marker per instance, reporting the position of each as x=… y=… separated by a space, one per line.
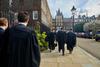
x=61 y=22
x=59 y=19
x=66 y=23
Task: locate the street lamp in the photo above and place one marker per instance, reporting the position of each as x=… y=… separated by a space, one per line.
x=73 y=10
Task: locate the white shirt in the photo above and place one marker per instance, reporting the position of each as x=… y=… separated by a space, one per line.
x=23 y=23
x=3 y=27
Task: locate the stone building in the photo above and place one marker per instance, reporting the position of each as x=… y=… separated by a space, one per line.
x=46 y=17
x=62 y=22
x=4 y=8
x=59 y=19
x=68 y=23
x=28 y=5
x=39 y=12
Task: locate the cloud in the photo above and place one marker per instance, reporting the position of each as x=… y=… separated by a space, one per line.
x=93 y=10
x=52 y=7
x=64 y=5
x=92 y=6
x=66 y=8
x=81 y=3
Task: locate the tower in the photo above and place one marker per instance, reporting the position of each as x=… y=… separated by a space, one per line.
x=59 y=19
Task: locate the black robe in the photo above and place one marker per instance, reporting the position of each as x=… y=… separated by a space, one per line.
x=22 y=48
x=1 y=37
x=61 y=38
x=71 y=40
x=51 y=38
x=1 y=33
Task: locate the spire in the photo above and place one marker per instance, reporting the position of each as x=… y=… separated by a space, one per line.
x=59 y=13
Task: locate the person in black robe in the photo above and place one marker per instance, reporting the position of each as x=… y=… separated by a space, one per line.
x=61 y=38
x=1 y=33
x=22 y=46
x=71 y=41
x=3 y=27
x=50 y=39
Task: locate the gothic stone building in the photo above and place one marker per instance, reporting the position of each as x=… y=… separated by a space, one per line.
x=61 y=22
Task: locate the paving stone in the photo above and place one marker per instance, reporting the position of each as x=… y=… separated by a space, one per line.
x=69 y=65
x=79 y=58
x=46 y=64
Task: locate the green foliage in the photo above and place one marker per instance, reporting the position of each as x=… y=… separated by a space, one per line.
x=41 y=38
x=79 y=27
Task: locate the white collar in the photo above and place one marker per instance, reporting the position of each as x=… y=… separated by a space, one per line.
x=23 y=23
x=3 y=27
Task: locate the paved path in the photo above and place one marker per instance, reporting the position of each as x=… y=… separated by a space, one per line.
x=79 y=58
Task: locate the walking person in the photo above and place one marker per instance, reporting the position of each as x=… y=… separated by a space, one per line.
x=3 y=54
x=51 y=38
x=71 y=41
x=61 y=38
x=3 y=27
x=23 y=49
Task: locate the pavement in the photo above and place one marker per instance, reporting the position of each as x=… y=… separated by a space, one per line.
x=79 y=58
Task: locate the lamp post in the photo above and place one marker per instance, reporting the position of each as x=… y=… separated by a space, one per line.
x=73 y=10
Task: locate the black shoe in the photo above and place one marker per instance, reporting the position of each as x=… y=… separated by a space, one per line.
x=59 y=51
x=70 y=52
x=63 y=54
x=50 y=50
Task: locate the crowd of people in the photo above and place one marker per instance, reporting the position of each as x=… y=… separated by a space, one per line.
x=19 y=46
x=62 y=38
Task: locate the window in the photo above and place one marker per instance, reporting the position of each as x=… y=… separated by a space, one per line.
x=21 y=2
x=35 y=15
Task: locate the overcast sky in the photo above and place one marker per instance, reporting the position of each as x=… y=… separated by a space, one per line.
x=88 y=7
